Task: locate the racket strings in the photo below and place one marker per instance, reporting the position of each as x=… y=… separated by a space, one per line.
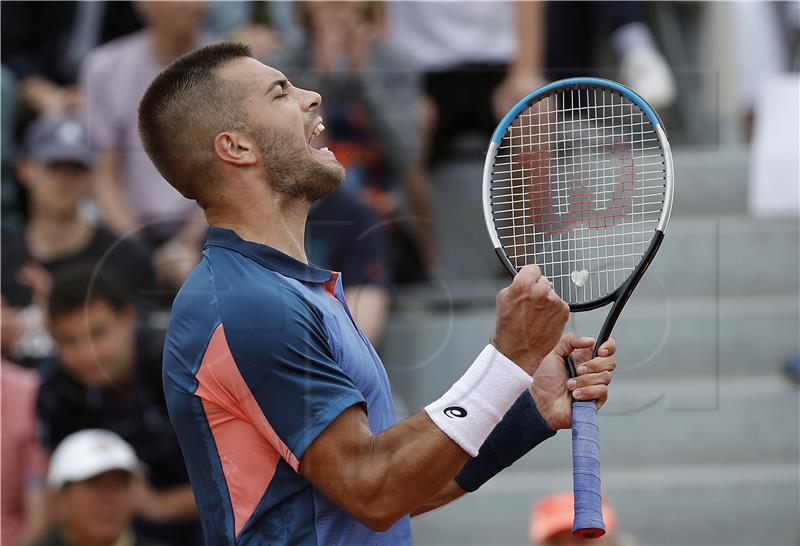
x=578 y=188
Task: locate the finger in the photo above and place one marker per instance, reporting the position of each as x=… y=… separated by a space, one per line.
x=595 y=392
x=608 y=348
x=582 y=355
x=598 y=364
x=599 y=378
x=570 y=342
x=529 y=273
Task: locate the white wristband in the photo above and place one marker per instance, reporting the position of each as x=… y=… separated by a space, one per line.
x=473 y=406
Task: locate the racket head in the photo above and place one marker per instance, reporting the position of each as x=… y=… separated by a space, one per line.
x=578 y=178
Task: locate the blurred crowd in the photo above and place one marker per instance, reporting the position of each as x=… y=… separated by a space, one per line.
x=95 y=243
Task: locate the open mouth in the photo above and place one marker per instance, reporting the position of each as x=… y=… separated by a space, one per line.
x=323 y=152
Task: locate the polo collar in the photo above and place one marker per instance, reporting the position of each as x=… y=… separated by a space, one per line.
x=267 y=256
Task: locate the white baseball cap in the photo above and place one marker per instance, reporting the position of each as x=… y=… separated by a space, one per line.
x=88 y=453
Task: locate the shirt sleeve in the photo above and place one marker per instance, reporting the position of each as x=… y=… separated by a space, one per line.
x=291 y=386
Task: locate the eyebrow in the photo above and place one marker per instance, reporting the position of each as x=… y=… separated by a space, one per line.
x=277 y=83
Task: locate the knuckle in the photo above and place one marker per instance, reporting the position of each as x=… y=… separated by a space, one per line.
x=538 y=292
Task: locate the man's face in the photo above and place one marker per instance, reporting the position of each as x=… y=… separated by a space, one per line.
x=283 y=119
x=96 y=343
x=56 y=189
x=97 y=510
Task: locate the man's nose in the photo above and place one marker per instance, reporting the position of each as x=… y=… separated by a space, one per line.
x=311 y=100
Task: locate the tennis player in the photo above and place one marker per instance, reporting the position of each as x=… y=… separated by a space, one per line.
x=283 y=409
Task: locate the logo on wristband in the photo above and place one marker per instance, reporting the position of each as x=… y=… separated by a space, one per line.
x=455 y=411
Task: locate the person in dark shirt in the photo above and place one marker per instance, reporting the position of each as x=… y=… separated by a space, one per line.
x=54 y=167
x=347 y=236
x=107 y=377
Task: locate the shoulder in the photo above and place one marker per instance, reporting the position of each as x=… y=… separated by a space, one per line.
x=260 y=309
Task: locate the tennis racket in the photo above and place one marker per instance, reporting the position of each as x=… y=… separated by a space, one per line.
x=578 y=180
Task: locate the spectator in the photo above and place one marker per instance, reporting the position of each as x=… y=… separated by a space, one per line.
x=642 y=67
x=93 y=473
x=476 y=64
x=371 y=93
x=23 y=515
x=347 y=236
x=54 y=167
x=551 y=522
x=106 y=377
x=132 y=196
x=44 y=42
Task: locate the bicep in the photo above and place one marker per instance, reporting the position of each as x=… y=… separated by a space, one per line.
x=334 y=460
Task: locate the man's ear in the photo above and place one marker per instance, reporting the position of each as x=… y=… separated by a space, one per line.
x=235 y=149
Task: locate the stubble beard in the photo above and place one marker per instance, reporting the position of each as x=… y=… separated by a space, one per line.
x=294 y=173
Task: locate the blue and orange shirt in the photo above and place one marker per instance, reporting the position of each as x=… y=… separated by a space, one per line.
x=261 y=356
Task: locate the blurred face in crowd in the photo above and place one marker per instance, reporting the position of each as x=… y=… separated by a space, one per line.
x=282 y=120
x=98 y=510
x=55 y=189
x=96 y=344
x=179 y=20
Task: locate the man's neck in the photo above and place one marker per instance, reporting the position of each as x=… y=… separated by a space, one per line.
x=52 y=238
x=281 y=224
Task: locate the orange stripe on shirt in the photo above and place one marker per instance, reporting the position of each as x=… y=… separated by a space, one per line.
x=248 y=446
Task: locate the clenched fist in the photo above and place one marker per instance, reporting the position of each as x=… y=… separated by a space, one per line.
x=530 y=319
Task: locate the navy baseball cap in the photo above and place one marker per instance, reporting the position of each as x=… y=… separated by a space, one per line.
x=53 y=139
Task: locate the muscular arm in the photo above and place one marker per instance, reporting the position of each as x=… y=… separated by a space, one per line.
x=380 y=478
x=450 y=492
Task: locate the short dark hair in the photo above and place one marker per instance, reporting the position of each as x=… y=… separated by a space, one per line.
x=77 y=285
x=182 y=109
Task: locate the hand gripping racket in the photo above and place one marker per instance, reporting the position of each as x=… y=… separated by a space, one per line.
x=578 y=180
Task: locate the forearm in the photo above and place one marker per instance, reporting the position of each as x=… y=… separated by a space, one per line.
x=173 y=504
x=369 y=305
x=193 y=231
x=402 y=468
x=521 y=430
x=450 y=492
x=530 y=37
x=380 y=478
x=114 y=204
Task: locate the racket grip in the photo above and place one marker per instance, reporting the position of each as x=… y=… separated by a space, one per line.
x=588 y=522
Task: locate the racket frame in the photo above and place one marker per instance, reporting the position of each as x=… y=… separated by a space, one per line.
x=618 y=295
x=590 y=524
